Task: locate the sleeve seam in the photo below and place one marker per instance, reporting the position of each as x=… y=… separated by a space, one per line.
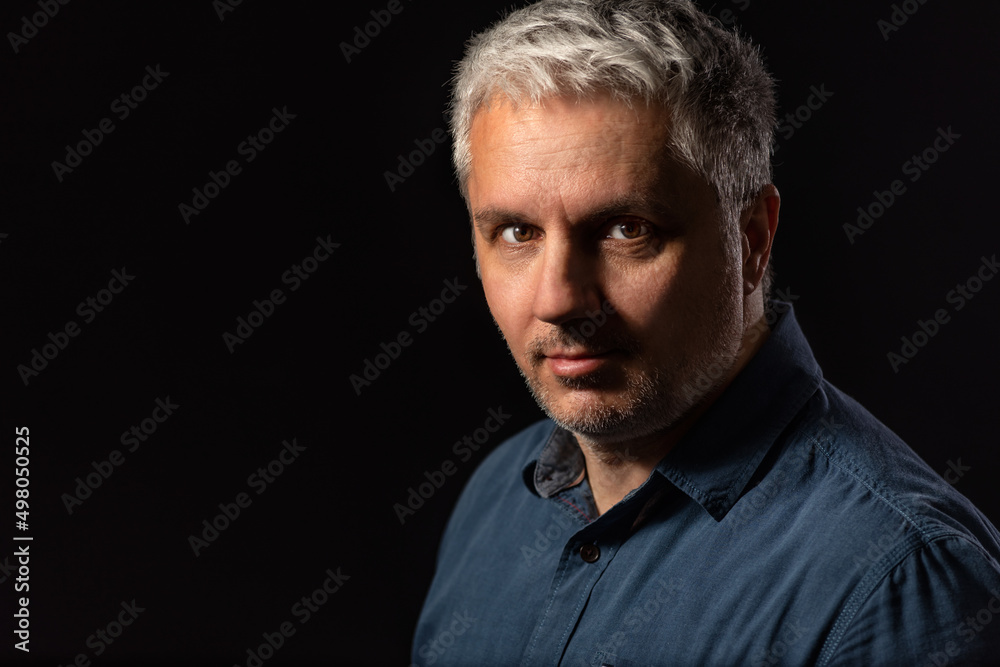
x=876 y=575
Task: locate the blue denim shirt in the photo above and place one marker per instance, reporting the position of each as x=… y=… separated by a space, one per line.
x=788 y=527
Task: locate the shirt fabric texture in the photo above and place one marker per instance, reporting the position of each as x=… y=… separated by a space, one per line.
x=787 y=527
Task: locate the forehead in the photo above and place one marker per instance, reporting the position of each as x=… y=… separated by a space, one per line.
x=568 y=152
x=548 y=131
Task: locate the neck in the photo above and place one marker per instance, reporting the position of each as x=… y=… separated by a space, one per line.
x=613 y=474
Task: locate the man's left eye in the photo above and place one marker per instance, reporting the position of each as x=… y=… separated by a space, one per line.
x=631 y=229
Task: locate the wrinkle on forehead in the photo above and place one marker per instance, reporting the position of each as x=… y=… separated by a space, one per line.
x=568 y=149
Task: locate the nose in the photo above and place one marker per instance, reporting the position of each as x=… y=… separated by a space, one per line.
x=567 y=285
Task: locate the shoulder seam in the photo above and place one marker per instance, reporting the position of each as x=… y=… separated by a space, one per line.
x=878 y=493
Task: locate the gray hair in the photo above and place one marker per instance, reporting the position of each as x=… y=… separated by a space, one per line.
x=712 y=81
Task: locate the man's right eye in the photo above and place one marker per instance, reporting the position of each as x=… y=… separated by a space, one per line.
x=517 y=233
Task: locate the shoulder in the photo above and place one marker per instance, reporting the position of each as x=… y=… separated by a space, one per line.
x=875 y=462
x=923 y=557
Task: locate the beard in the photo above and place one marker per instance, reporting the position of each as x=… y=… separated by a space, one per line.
x=635 y=395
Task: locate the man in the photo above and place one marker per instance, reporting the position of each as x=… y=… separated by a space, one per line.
x=700 y=494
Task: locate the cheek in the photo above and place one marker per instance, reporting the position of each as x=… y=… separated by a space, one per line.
x=645 y=294
x=510 y=307
x=670 y=306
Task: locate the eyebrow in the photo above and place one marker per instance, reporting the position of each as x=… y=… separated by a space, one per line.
x=489 y=216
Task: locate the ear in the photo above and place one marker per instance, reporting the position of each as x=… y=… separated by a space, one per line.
x=758 y=224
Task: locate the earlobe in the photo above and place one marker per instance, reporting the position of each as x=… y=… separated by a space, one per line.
x=759 y=222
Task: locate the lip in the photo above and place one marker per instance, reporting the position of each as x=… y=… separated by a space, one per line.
x=575 y=364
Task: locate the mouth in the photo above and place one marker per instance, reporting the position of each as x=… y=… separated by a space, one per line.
x=576 y=364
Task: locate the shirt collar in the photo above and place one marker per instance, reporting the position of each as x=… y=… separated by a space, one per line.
x=557 y=466
x=716 y=459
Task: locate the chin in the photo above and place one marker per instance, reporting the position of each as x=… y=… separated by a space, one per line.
x=608 y=416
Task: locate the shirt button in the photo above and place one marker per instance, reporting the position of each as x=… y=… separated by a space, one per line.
x=590 y=553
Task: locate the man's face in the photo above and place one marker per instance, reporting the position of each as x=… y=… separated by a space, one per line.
x=580 y=210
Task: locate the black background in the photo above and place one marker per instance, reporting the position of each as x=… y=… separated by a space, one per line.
x=324 y=175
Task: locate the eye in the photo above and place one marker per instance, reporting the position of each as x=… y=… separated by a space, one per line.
x=630 y=229
x=517 y=233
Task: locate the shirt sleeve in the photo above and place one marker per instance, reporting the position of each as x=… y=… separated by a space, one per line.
x=940 y=605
